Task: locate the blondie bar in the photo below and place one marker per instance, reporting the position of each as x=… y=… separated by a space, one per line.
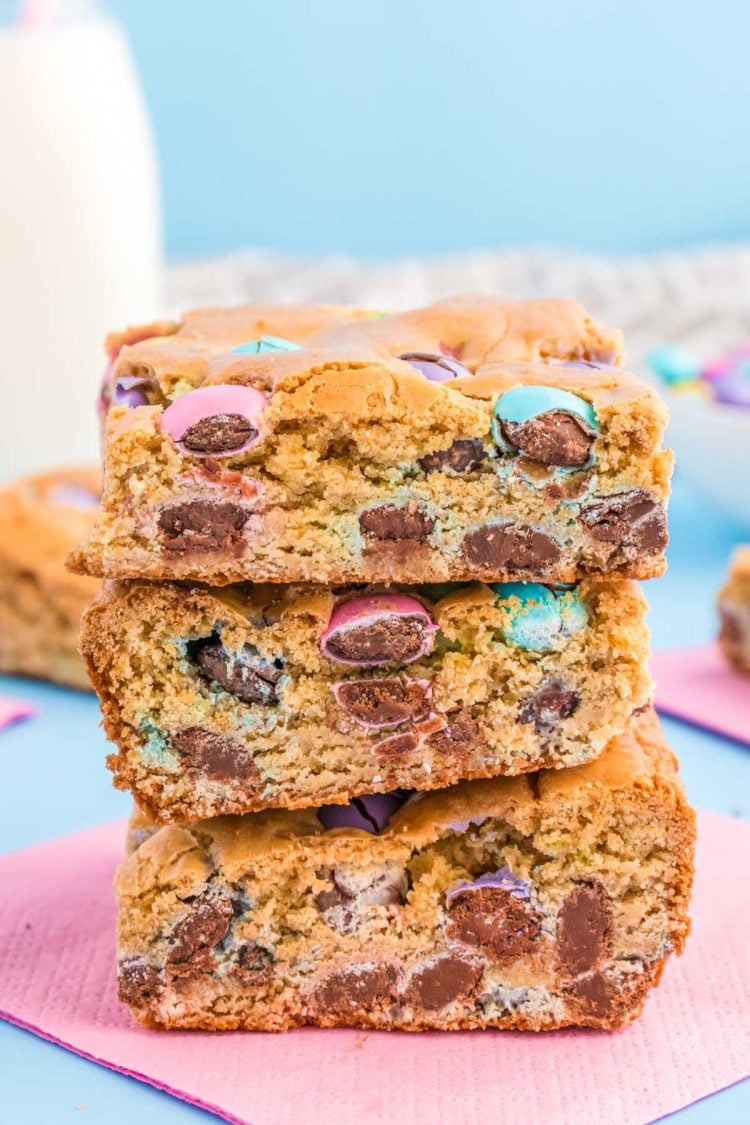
x=473 y=439
x=41 y=520
x=247 y=697
x=535 y=903
x=734 y=612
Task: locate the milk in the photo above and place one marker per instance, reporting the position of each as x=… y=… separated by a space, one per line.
x=80 y=247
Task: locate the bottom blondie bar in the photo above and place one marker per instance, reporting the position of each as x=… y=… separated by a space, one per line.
x=534 y=902
x=734 y=612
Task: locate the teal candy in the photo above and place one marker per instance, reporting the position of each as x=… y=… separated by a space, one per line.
x=544 y=619
x=267 y=344
x=520 y=404
x=673 y=365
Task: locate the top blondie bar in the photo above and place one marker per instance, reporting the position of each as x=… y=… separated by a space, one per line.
x=476 y=438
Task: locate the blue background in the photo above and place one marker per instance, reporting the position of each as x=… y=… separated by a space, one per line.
x=54 y=781
x=426 y=125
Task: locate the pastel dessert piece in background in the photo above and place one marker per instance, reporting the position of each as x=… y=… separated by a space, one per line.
x=734 y=611
x=515 y=903
x=14 y=711
x=472 y=439
x=248 y=697
x=41 y=520
x=724 y=378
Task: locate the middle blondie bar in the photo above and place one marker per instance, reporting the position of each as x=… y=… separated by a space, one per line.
x=253 y=697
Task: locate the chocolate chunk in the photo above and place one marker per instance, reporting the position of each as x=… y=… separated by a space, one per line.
x=584 y=929
x=389 y=522
x=216 y=755
x=384 y=703
x=254 y=964
x=629 y=522
x=219 y=433
x=351 y=891
x=355 y=990
x=592 y=995
x=446 y=979
x=461 y=735
x=510 y=548
x=494 y=920
x=463 y=456
x=554 y=438
x=202 y=525
x=397 y=746
x=245 y=674
x=138 y=981
x=549 y=705
x=391 y=636
x=199 y=931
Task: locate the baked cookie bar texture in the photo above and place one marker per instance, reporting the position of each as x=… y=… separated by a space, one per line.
x=734 y=612
x=248 y=697
x=535 y=903
x=41 y=519
x=472 y=439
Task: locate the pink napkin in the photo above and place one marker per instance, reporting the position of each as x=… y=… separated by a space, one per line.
x=698 y=685
x=13 y=710
x=57 y=979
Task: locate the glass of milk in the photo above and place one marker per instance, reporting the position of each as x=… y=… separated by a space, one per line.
x=80 y=225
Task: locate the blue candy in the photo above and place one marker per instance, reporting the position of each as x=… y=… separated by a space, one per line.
x=520 y=404
x=673 y=365
x=544 y=619
x=267 y=344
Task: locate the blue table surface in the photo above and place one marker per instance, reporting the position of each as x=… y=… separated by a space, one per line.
x=54 y=782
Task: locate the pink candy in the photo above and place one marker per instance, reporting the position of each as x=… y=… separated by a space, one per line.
x=14 y=711
x=355 y=615
x=208 y=402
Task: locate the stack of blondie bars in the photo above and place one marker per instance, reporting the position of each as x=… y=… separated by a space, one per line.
x=374 y=663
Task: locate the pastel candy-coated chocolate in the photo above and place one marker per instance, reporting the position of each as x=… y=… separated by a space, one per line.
x=129 y=391
x=207 y=402
x=341 y=685
x=544 y=617
x=521 y=404
x=673 y=366
x=436 y=367
x=734 y=387
x=725 y=363
x=267 y=344
x=370 y=813
x=502 y=880
x=370 y=607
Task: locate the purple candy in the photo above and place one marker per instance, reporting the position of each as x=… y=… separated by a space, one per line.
x=370 y=813
x=502 y=879
x=734 y=387
x=436 y=367
x=129 y=391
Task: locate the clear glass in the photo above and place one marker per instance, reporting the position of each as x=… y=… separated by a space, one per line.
x=80 y=230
